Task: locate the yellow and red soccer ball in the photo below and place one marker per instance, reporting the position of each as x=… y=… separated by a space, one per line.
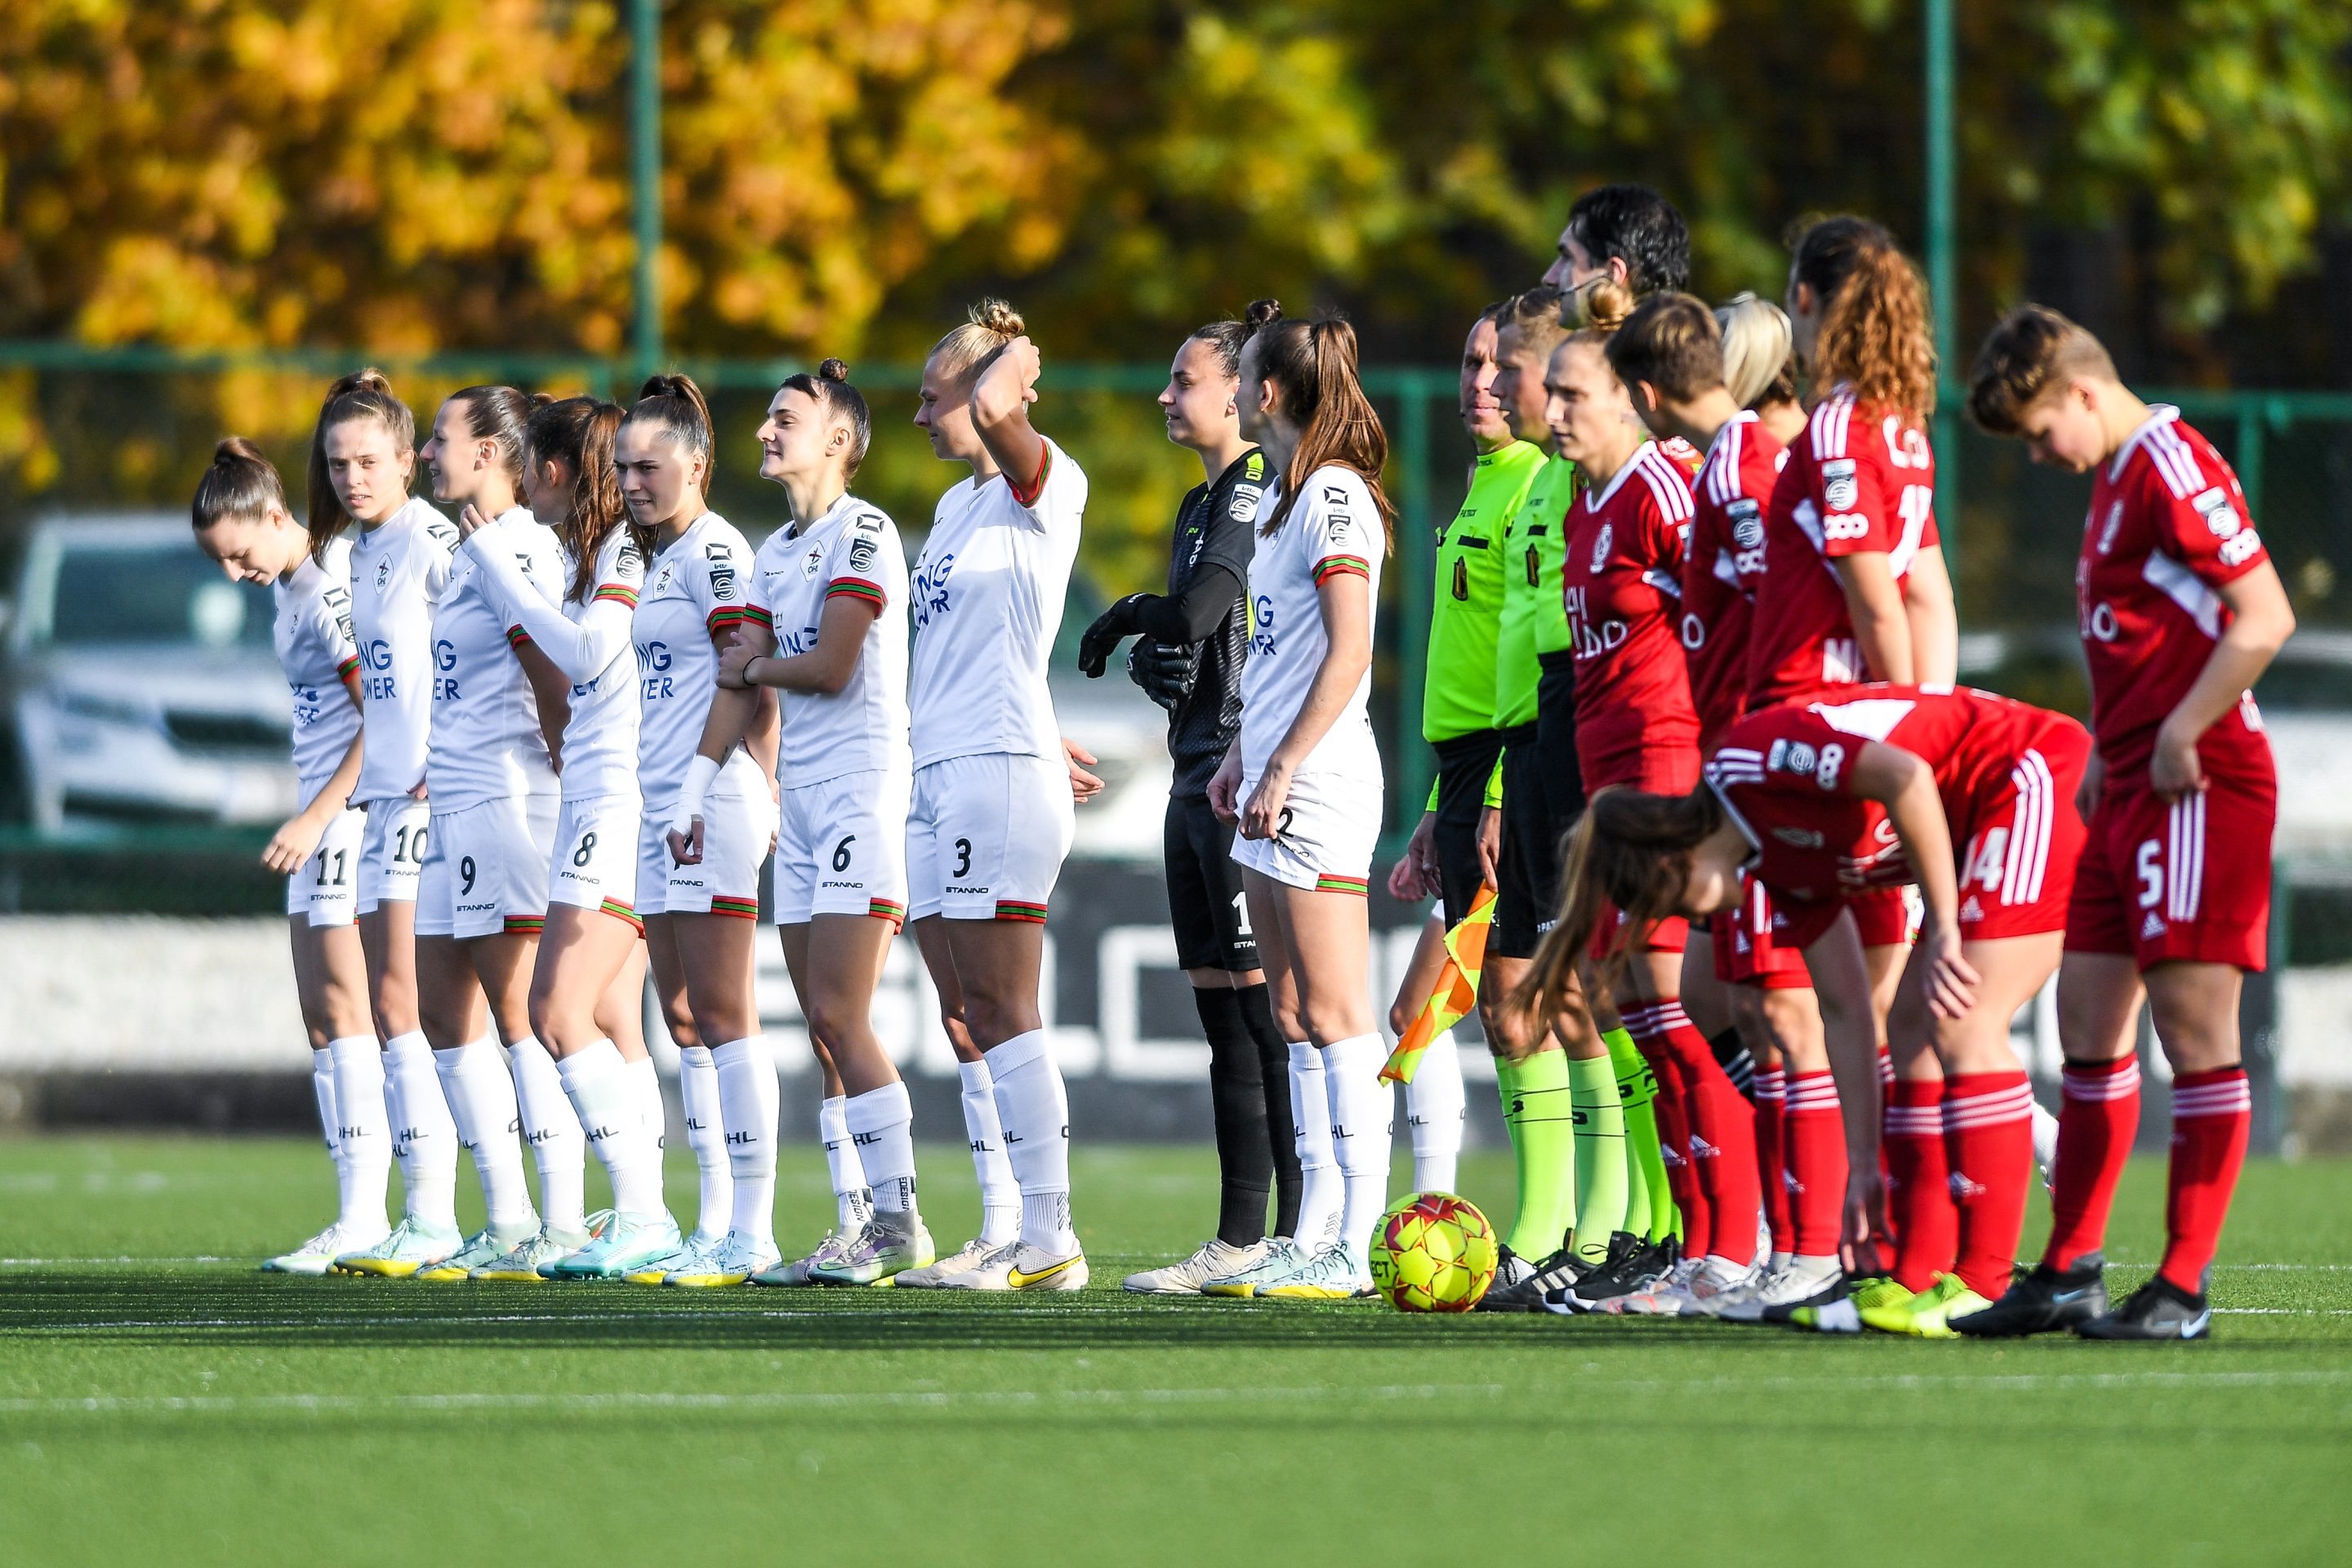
x=1434 y=1253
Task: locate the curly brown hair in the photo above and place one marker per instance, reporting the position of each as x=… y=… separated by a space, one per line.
x=1876 y=335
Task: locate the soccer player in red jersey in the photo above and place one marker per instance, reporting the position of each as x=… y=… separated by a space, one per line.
x=1854 y=589
x=1624 y=540
x=1964 y=792
x=2181 y=611
x=1669 y=355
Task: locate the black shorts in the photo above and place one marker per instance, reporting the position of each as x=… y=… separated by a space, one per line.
x=1543 y=795
x=1204 y=890
x=1464 y=763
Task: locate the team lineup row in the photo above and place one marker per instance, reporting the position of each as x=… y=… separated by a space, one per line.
x=584 y=714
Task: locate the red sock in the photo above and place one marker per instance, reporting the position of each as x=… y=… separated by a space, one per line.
x=1988 y=1142
x=1813 y=1138
x=1648 y=1025
x=1771 y=1173
x=1918 y=1189
x=1722 y=1139
x=2096 y=1122
x=2211 y=1112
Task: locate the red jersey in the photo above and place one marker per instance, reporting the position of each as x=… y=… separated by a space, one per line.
x=1785 y=773
x=1621 y=579
x=1860 y=480
x=2167 y=527
x=1725 y=565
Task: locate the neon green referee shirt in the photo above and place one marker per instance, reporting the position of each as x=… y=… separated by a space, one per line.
x=1534 y=620
x=1458 y=698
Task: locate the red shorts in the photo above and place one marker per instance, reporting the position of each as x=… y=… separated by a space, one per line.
x=2147 y=888
x=2018 y=850
x=1746 y=950
x=1881 y=915
x=1669 y=935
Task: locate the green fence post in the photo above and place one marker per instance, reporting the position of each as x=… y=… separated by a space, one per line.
x=646 y=175
x=1943 y=268
x=1419 y=560
x=2252 y=411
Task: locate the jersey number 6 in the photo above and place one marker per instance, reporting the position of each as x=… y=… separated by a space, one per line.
x=841 y=852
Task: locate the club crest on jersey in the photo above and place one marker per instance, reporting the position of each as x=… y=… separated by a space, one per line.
x=382 y=573
x=1601 y=545
x=1801 y=838
x=1790 y=757
x=661 y=581
x=1838 y=487
x=1747 y=526
x=2115 y=523
x=810 y=562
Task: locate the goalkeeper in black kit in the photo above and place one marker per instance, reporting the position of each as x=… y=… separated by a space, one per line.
x=1187 y=658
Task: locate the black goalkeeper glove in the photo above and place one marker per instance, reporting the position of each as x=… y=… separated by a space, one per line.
x=1166 y=671
x=1102 y=638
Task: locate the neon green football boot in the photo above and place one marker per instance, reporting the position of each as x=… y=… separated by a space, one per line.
x=484 y=1247
x=412 y=1246
x=1845 y=1315
x=1928 y=1315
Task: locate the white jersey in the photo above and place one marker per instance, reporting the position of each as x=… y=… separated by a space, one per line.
x=312 y=635
x=588 y=640
x=1335 y=530
x=694 y=589
x=399 y=569
x=487 y=743
x=851 y=552
x=987 y=593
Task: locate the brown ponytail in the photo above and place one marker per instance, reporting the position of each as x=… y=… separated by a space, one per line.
x=1630 y=853
x=579 y=432
x=239 y=482
x=1314 y=365
x=1875 y=334
x=675 y=403
x=363 y=394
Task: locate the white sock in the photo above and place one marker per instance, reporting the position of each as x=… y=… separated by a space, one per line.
x=322 y=1090
x=852 y=1200
x=1000 y=1195
x=558 y=1145
x=1321 y=1194
x=424 y=1135
x=698 y=1090
x=748 y=1097
x=603 y=1091
x=881 y=1123
x=644 y=1090
x=1035 y=1111
x=1435 y=1106
x=364 y=1129
x=1363 y=1113
x=482 y=1094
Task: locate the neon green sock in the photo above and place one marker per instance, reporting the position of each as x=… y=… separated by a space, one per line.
x=1600 y=1162
x=1649 y=1206
x=1536 y=1109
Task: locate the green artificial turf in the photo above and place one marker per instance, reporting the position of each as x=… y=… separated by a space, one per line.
x=159 y=1402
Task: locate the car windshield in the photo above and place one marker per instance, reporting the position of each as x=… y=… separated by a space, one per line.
x=153 y=593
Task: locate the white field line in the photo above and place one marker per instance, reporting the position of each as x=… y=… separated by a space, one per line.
x=467 y=1404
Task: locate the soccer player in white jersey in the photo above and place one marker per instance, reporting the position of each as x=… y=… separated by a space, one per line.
x=363 y=454
x=827 y=628
x=498 y=708
x=588 y=987
x=1303 y=780
x=709 y=818
x=991 y=817
x=241 y=521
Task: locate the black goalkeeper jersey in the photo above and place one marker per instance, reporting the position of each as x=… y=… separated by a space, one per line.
x=1214 y=527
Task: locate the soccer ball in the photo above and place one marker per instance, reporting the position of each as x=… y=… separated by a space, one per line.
x=1434 y=1253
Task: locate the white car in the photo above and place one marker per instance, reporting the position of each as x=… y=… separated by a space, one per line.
x=142 y=680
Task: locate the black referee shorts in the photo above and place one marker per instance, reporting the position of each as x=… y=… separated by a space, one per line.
x=1464 y=763
x=1204 y=890
x=1543 y=795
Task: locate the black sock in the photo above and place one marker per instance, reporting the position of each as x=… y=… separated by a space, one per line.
x=1732 y=1054
x=1281 y=1129
x=1237 y=1103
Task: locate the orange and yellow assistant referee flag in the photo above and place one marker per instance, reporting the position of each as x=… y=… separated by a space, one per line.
x=1457 y=989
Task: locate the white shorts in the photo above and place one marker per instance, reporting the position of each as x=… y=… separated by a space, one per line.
x=841 y=848
x=595 y=862
x=986 y=837
x=736 y=832
x=327 y=887
x=485 y=871
x=1324 y=839
x=392 y=852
